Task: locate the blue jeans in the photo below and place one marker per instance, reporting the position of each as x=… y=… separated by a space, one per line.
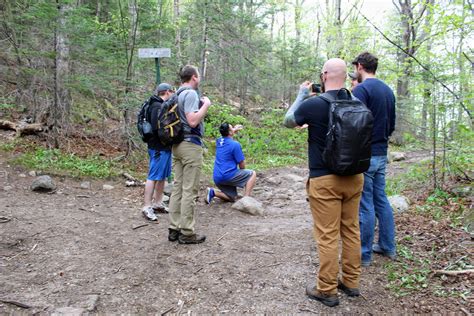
x=374 y=203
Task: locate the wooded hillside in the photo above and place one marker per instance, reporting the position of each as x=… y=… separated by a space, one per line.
x=66 y=63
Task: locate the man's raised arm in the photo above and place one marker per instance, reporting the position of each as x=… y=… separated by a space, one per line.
x=289 y=120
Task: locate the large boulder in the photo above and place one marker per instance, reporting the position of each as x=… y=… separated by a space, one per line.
x=249 y=205
x=396 y=156
x=399 y=203
x=43 y=184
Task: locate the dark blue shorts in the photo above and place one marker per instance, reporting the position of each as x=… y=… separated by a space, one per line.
x=160 y=164
x=240 y=179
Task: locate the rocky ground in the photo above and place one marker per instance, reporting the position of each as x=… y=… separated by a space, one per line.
x=88 y=249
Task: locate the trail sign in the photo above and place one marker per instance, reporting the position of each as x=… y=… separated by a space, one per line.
x=156 y=53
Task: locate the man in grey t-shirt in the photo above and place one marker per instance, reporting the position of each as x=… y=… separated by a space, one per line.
x=187 y=160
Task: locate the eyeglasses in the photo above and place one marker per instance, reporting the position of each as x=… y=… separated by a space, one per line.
x=321 y=74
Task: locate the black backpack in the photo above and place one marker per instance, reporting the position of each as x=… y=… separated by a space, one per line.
x=144 y=127
x=170 y=129
x=349 y=136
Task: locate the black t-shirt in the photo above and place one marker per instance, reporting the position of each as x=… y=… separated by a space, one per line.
x=153 y=111
x=315 y=112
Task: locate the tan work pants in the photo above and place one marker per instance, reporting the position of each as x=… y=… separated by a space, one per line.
x=334 y=202
x=187 y=164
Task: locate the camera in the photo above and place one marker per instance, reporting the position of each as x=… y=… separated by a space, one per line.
x=315 y=88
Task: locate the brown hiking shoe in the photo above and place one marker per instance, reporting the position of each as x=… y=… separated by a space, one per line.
x=349 y=291
x=327 y=299
x=191 y=239
x=173 y=235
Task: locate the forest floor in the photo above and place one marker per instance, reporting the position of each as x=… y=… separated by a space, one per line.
x=83 y=249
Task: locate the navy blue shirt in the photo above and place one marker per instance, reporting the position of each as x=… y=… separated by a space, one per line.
x=379 y=98
x=315 y=112
x=228 y=155
x=152 y=117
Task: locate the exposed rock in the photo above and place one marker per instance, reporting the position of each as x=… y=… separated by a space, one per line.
x=91 y=303
x=86 y=185
x=463 y=191
x=7 y=188
x=22 y=175
x=107 y=187
x=249 y=205
x=294 y=178
x=43 y=184
x=168 y=189
x=396 y=156
x=70 y=311
x=32 y=173
x=399 y=203
x=274 y=180
x=281 y=196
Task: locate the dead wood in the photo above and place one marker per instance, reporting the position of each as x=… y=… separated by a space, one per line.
x=454 y=273
x=22 y=128
x=15 y=303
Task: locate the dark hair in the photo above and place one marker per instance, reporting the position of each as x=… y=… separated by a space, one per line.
x=224 y=129
x=187 y=72
x=368 y=61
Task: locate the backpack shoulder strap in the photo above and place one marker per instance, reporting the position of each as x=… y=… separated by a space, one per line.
x=327 y=97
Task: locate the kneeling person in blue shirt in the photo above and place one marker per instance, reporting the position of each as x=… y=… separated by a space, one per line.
x=229 y=167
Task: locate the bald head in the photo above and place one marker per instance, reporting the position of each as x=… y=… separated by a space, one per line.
x=335 y=71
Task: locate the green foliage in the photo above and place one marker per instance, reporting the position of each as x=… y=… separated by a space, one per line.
x=416 y=176
x=266 y=143
x=53 y=160
x=440 y=205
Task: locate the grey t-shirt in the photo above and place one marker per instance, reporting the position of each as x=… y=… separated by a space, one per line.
x=188 y=102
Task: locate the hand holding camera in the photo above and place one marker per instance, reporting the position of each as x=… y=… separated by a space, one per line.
x=205 y=101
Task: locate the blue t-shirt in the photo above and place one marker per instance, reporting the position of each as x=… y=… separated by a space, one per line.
x=379 y=98
x=228 y=155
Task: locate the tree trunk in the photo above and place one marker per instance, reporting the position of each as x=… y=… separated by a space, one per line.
x=205 y=51
x=177 y=41
x=405 y=62
x=61 y=104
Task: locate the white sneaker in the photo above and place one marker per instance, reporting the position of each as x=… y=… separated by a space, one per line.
x=149 y=214
x=160 y=207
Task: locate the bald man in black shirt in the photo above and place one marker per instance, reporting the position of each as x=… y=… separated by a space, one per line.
x=334 y=199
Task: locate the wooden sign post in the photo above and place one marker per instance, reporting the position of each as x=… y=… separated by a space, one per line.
x=156 y=53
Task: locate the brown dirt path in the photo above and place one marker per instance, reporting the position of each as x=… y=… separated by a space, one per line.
x=77 y=248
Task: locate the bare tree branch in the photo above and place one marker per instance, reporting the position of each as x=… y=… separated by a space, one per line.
x=421 y=65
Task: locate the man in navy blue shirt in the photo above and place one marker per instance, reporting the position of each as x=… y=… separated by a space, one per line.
x=227 y=176
x=379 y=98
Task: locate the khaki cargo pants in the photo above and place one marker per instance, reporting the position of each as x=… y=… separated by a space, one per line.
x=187 y=164
x=334 y=202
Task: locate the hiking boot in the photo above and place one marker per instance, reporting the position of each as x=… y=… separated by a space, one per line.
x=327 y=299
x=173 y=234
x=210 y=195
x=376 y=248
x=191 y=239
x=365 y=264
x=349 y=291
x=160 y=207
x=149 y=214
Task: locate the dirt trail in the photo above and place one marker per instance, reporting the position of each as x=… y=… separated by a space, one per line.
x=77 y=248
